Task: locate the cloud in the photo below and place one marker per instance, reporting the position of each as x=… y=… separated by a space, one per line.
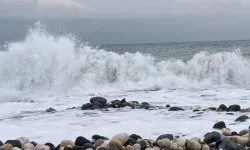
x=45 y=8
x=126 y=8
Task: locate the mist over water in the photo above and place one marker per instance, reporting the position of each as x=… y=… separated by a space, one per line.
x=59 y=64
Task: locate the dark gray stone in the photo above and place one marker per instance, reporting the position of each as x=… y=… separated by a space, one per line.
x=86 y=106
x=97 y=137
x=51 y=146
x=228 y=145
x=234 y=108
x=113 y=148
x=175 y=109
x=131 y=141
x=242 y=118
x=135 y=136
x=80 y=141
x=167 y=105
x=240 y=147
x=14 y=143
x=143 y=144
x=50 y=110
x=168 y=136
x=88 y=145
x=1 y=143
x=243 y=132
x=213 y=137
x=76 y=147
x=98 y=99
x=223 y=107
x=219 y=125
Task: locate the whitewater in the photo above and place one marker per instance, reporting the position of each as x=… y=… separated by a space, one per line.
x=47 y=70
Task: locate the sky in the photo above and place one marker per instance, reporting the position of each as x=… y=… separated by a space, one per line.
x=137 y=20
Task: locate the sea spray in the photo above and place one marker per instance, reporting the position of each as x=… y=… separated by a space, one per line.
x=48 y=63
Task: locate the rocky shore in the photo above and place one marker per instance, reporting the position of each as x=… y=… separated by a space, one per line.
x=224 y=139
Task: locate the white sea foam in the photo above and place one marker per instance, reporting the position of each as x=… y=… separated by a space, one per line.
x=43 y=62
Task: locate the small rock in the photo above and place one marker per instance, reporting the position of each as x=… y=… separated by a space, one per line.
x=65 y=143
x=213 y=137
x=51 y=146
x=149 y=149
x=14 y=143
x=117 y=143
x=223 y=107
x=41 y=147
x=101 y=148
x=164 y=143
x=129 y=147
x=234 y=133
x=168 y=136
x=180 y=143
x=99 y=142
x=6 y=147
x=196 y=139
x=243 y=132
x=229 y=113
x=135 y=136
x=143 y=144
x=98 y=99
x=114 y=148
x=240 y=147
x=175 y=109
x=136 y=146
x=218 y=142
x=228 y=145
x=23 y=140
x=97 y=137
x=88 y=145
x=173 y=145
x=226 y=132
x=195 y=110
x=97 y=104
x=210 y=108
x=86 y=106
x=205 y=147
x=1 y=143
x=167 y=105
x=219 y=125
x=16 y=148
x=50 y=110
x=34 y=143
x=58 y=147
x=28 y=146
x=234 y=108
x=194 y=145
x=122 y=137
x=80 y=141
x=76 y=147
x=242 y=118
x=130 y=141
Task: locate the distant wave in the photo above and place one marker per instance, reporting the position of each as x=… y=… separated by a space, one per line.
x=49 y=63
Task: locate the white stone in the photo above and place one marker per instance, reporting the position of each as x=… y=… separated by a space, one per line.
x=122 y=137
x=164 y=143
x=28 y=146
x=23 y=140
x=205 y=147
x=136 y=146
x=173 y=145
x=16 y=148
x=41 y=147
x=180 y=143
x=226 y=132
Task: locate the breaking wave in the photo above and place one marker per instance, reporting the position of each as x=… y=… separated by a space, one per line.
x=51 y=63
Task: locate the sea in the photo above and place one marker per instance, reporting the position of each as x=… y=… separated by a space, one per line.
x=45 y=70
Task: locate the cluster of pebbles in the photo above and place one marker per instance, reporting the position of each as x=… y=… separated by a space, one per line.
x=100 y=103
x=226 y=140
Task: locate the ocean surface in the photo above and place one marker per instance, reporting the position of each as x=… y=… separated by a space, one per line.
x=44 y=70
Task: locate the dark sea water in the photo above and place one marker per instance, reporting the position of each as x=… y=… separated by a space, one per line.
x=184 y=51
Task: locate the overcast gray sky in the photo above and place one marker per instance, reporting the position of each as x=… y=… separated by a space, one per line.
x=139 y=20
x=124 y=8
